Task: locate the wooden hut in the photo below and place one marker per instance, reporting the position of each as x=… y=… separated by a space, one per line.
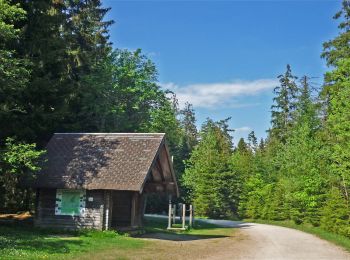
x=101 y=180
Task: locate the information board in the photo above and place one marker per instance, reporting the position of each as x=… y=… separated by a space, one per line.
x=70 y=202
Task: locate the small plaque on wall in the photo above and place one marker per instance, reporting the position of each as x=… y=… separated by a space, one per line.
x=90 y=199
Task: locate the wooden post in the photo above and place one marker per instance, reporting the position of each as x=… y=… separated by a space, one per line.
x=110 y=208
x=183 y=215
x=107 y=197
x=169 y=216
x=143 y=202
x=191 y=217
x=180 y=210
x=174 y=214
x=134 y=202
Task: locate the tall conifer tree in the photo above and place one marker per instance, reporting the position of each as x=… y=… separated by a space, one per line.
x=284 y=105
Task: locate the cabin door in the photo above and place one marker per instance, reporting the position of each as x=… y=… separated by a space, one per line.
x=121 y=211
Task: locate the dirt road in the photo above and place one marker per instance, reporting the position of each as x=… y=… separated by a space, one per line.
x=244 y=241
x=258 y=241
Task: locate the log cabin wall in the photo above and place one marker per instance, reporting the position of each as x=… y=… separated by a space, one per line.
x=45 y=215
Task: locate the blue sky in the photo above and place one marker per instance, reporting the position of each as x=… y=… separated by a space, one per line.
x=224 y=56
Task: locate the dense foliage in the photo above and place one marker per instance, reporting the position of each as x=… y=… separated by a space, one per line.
x=60 y=73
x=212 y=185
x=301 y=172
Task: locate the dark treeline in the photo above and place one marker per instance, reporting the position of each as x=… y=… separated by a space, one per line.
x=60 y=73
x=301 y=172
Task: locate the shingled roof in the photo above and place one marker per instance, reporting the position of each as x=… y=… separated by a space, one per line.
x=113 y=161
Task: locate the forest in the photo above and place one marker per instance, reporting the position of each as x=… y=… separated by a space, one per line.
x=59 y=72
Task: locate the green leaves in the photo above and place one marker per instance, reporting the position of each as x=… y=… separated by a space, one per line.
x=336 y=92
x=306 y=169
x=9 y=15
x=18 y=161
x=18 y=158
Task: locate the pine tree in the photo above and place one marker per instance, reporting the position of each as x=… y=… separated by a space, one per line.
x=335 y=213
x=88 y=49
x=284 y=107
x=262 y=144
x=242 y=146
x=253 y=141
x=188 y=124
x=213 y=188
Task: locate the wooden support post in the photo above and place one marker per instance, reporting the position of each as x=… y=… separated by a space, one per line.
x=142 y=209
x=110 y=209
x=191 y=216
x=169 y=217
x=107 y=205
x=183 y=215
x=179 y=206
x=134 y=204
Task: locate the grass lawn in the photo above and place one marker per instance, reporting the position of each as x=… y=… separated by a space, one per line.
x=18 y=242
x=26 y=242
x=308 y=228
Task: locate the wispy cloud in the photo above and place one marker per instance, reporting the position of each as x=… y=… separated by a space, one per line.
x=219 y=94
x=243 y=129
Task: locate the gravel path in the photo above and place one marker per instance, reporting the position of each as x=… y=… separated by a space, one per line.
x=259 y=241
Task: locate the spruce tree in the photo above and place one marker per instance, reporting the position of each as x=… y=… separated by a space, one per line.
x=88 y=49
x=212 y=186
x=188 y=124
x=262 y=144
x=242 y=146
x=253 y=141
x=284 y=105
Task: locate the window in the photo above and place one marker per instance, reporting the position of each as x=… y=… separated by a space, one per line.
x=70 y=202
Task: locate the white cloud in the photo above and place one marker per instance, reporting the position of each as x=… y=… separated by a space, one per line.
x=219 y=94
x=243 y=129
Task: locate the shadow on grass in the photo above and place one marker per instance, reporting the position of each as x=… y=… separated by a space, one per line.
x=226 y=223
x=155 y=227
x=179 y=237
x=31 y=239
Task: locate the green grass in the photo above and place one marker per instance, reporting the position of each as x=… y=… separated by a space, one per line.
x=18 y=242
x=27 y=242
x=308 y=228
